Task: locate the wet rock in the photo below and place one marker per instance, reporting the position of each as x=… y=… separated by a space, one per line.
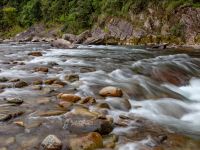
x=5 y=117
x=61 y=43
x=51 y=113
x=58 y=82
x=36 y=39
x=47 y=90
x=90 y=141
x=10 y=115
x=88 y=100
x=38 y=82
x=109 y=141
x=19 y=123
x=3 y=79
x=72 y=77
x=14 y=80
x=87 y=122
x=42 y=69
x=103 y=105
x=52 y=63
x=86 y=69
x=65 y=105
x=17 y=101
x=43 y=101
x=52 y=142
x=69 y=37
x=37 y=54
x=82 y=37
x=69 y=97
x=20 y=84
x=111 y=91
x=161 y=46
x=119 y=103
x=2 y=86
x=27 y=142
x=49 y=81
x=36 y=87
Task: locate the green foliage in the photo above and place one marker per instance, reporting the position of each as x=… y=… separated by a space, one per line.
x=31 y=12
x=177 y=30
x=8 y=17
x=76 y=15
x=171 y=4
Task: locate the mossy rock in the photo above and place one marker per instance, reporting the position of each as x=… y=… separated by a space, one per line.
x=197 y=39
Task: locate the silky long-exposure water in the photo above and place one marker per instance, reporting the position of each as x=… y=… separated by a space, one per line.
x=162 y=86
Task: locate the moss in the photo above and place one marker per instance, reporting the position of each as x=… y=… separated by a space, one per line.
x=12 y=32
x=134 y=41
x=197 y=39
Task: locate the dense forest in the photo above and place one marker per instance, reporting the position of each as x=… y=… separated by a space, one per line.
x=74 y=15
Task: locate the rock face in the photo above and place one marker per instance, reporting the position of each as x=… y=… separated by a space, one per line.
x=151 y=27
x=90 y=141
x=111 y=91
x=51 y=142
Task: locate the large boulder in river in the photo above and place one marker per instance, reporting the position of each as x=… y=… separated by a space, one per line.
x=69 y=37
x=111 y=91
x=61 y=43
x=90 y=141
x=83 y=121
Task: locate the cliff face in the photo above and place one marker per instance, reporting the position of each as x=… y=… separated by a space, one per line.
x=154 y=26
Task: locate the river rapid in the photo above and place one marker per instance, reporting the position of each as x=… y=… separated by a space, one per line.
x=161 y=92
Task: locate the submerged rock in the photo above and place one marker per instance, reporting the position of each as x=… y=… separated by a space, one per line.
x=119 y=103
x=20 y=84
x=37 y=54
x=3 y=79
x=42 y=69
x=111 y=91
x=8 y=116
x=14 y=100
x=51 y=142
x=5 y=117
x=72 y=77
x=90 y=141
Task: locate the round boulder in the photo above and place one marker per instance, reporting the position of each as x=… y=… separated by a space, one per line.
x=111 y=91
x=69 y=97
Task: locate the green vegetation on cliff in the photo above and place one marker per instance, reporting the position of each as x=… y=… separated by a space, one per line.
x=74 y=15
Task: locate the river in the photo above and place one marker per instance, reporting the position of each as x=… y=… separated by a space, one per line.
x=162 y=86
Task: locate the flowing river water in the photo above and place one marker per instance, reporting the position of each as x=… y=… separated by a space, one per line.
x=159 y=86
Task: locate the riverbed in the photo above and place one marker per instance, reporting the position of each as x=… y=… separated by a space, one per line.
x=160 y=92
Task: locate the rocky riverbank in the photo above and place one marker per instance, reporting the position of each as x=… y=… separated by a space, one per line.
x=152 y=28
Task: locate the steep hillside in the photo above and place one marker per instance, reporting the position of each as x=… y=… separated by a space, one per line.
x=113 y=22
